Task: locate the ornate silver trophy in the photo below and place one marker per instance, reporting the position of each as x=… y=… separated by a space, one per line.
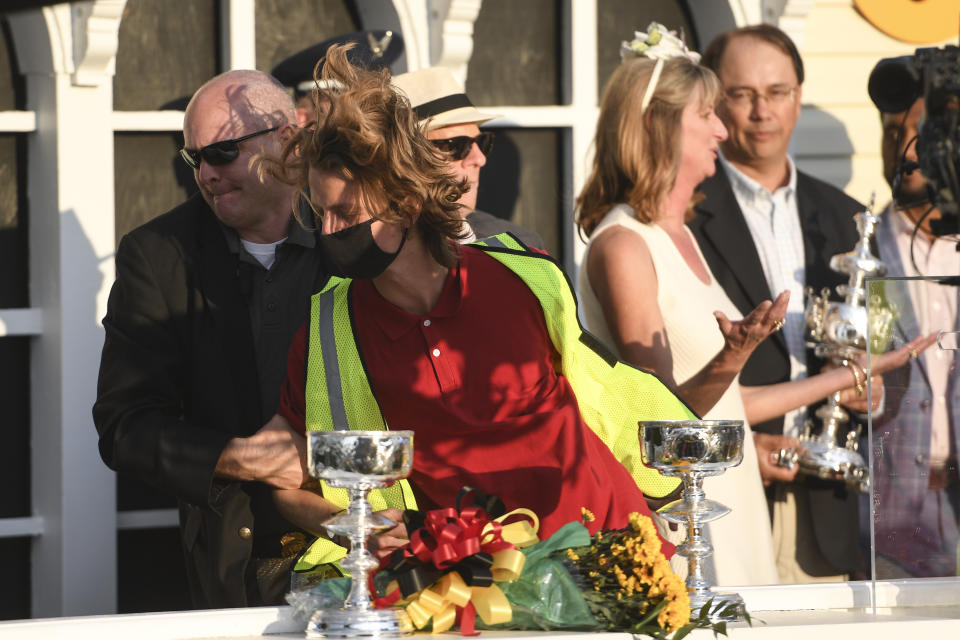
x=837 y=331
x=694 y=450
x=359 y=461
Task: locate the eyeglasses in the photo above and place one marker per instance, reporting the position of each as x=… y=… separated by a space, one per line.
x=219 y=153
x=743 y=97
x=459 y=147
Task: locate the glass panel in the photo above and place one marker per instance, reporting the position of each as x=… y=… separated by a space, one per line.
x=285 y=27
x=15 y=560
x=513 y=44
x=166 y=51
x=916 y=493
x=151 y=178
x=521 y=182
x=618 y=19
x=159 y=584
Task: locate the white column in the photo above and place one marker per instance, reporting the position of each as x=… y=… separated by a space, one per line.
x=583 y=75
x=415 y=18
x=67 y=54
x=238 y=34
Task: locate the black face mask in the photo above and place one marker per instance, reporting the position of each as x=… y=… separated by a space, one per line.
x=353 y=253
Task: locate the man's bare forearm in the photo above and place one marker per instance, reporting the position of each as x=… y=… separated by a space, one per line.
x=274 y=455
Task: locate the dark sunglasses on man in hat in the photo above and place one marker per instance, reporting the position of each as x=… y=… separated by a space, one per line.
x=219 y=153
x=460 y=146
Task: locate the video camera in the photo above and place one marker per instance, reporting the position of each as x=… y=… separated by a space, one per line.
x=934 y=74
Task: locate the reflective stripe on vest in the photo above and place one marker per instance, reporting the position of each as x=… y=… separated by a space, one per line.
x=338 y=397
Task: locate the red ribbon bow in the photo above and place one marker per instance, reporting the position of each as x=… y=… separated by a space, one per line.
x=448 y=537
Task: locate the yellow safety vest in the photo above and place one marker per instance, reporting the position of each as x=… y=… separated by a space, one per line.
x=612 y=395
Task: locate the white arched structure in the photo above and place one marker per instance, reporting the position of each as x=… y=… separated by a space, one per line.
x=67 y=55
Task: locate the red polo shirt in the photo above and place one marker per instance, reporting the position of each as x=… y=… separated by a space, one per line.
x=475 y=380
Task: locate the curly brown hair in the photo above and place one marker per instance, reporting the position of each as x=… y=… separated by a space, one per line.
x=637 y=155
x=367 y=133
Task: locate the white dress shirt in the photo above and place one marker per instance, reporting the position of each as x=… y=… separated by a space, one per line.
x=774 y=223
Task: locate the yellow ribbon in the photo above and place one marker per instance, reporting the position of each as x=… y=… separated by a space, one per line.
x=520 y=533
x=507 y=565
x=440 y=601
x=491 y=604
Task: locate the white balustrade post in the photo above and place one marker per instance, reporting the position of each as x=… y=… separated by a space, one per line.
x=67 y=54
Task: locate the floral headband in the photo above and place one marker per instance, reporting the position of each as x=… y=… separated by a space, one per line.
x=658 y=43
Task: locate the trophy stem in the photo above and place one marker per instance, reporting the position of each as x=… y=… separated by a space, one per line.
x=833 y=416
x=359 y=562
x=696 y=548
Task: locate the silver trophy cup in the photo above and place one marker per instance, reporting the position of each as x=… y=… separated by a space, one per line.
x=694 y=450
x=359 y=461
x=837 y=331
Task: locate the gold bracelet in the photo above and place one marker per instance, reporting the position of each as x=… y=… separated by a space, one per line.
x=858 y=375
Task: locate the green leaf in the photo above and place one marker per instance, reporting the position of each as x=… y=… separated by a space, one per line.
x=683 y=631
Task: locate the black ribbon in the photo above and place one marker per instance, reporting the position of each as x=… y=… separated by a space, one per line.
x=442 y=105
x=490 y=503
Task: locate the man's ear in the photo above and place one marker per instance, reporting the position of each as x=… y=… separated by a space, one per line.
x=286 y=131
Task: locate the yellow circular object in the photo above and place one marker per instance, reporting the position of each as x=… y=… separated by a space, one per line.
x=915 y=21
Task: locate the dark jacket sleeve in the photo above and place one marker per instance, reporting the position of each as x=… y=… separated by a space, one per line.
x=141 y=391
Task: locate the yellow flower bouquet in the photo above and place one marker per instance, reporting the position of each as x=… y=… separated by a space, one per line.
x=627 y=582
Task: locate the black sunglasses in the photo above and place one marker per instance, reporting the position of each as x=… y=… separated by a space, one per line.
x=459 y=147
x=219 y=153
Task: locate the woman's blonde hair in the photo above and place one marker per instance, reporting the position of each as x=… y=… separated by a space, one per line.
x=366 y=132
x=637 y=155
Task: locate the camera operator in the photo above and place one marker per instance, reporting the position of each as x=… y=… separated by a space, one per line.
x=915 y=440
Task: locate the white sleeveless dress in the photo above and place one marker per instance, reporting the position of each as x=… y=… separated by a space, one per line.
x=743 y=544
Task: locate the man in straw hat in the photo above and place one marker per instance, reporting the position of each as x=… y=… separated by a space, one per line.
x=452 y=124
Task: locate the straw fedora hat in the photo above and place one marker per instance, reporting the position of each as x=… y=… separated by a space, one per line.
x=438 y=99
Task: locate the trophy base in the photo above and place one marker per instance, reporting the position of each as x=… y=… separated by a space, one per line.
x=724 y=607
x=359 y=623
x=835 y=463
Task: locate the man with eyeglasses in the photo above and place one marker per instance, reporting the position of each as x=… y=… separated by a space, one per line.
x=452 y=123
x=765 y=227
x=206 y=300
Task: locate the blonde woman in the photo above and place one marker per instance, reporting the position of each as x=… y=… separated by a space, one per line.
x=647 y=293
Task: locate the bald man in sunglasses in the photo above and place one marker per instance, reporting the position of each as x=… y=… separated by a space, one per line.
x=452 y=123
x=199 y=321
